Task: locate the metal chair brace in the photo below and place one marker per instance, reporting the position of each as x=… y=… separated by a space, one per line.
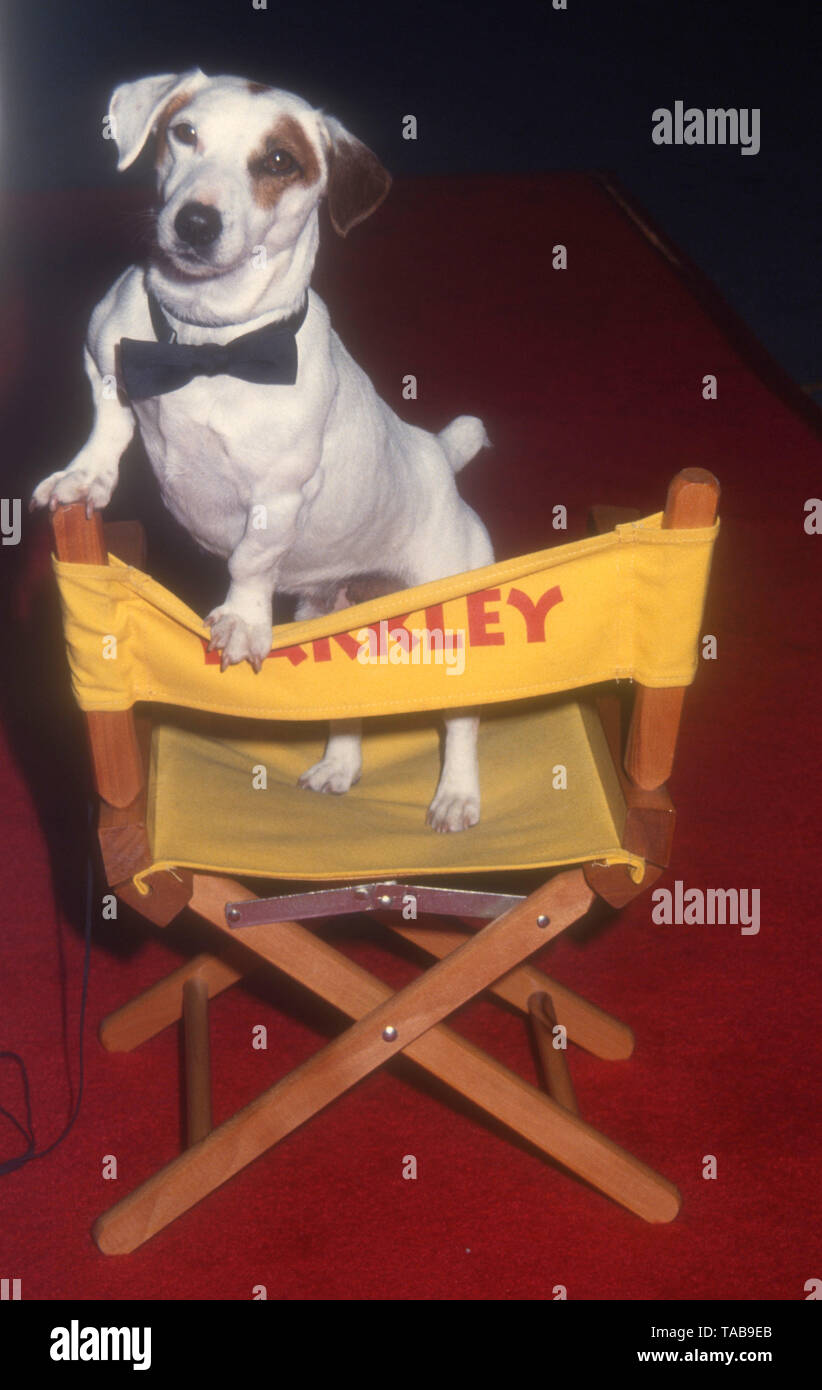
x=386 y=896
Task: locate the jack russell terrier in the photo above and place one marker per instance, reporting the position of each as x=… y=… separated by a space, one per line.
x=244 y=394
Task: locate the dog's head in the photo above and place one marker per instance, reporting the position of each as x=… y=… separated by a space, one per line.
x=240 y=165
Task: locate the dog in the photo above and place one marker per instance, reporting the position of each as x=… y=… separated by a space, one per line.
x=350 y=490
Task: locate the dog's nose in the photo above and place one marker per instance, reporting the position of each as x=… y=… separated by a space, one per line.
x=198 y=224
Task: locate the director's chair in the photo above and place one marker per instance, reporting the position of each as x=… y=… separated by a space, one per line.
x=194 y=794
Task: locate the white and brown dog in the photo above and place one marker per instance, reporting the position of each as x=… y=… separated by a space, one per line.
x=349 y=488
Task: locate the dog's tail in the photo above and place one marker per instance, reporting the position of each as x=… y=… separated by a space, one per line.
x=462 y=439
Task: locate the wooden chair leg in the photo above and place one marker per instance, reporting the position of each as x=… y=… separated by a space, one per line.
x=389 y=1023
x=197 y=1059
x=555 y=1075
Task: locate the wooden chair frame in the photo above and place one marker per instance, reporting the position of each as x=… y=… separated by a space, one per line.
x=409 y=1021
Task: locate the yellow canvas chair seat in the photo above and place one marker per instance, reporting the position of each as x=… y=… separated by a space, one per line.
x=205 y=812
x=187 y=799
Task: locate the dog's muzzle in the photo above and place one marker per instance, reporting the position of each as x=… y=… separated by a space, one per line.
x=198 y=225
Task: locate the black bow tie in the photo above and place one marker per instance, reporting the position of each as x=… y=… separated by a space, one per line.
x=267 y=356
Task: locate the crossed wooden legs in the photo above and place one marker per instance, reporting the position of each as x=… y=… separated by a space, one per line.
x=408 y=1021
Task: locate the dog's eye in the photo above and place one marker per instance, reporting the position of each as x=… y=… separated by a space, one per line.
x=279 y=162
x=185 y=133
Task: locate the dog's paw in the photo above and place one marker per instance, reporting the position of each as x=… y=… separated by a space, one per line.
x=238 y=640
x=453 y=810
x=74 y=485
x=335 y=773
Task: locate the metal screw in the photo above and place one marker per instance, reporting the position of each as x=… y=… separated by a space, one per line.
x=385 y=899
x=543 y=921
x=233 y=914
x=389 y=1034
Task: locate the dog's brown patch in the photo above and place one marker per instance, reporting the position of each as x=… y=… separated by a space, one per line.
x=287 y=134
x=176 y=104
x=256 y=87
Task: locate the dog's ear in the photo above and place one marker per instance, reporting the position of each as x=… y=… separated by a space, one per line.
x=136 y=106
x=357 y=182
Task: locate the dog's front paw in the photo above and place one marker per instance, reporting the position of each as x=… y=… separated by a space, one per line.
x=238 y=640
x=335 y=773
x=453 y=810
x=74 y=485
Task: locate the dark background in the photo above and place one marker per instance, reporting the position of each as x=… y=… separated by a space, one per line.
x=494 y=88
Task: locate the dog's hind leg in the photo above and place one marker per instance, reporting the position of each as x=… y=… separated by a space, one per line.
x=341 y=764
x=456 y=803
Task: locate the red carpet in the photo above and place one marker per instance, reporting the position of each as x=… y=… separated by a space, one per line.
x=590 y=384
